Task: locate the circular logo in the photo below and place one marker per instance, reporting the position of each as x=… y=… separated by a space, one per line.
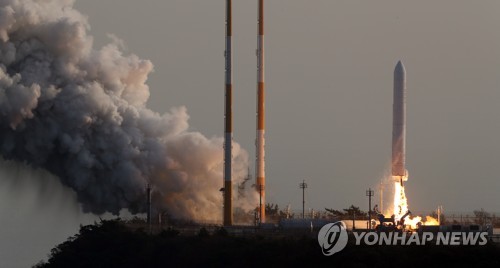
x=332 y=238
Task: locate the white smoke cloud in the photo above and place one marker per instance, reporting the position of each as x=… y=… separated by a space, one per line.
x=81 y=114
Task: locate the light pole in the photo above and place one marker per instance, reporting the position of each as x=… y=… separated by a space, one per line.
x=381 y=195
x=303 y=186
x=369 y=193
x=148 y=204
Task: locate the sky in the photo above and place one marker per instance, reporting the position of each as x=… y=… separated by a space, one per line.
x=329 y=67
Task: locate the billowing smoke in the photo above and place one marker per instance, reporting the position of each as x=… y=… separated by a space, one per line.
x=81 y=114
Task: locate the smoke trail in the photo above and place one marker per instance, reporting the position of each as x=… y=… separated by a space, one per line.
x=81 y=114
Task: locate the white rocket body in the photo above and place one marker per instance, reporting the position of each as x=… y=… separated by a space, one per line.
x=399 y=172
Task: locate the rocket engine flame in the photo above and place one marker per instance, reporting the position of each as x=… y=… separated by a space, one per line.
x=81 y=114
x=401 y=208
x=400 y=201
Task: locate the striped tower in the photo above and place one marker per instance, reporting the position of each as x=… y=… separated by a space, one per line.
x=228 y=121
x=260 y=144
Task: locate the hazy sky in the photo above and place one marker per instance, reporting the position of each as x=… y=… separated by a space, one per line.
x=329 y=68
x=329 y=89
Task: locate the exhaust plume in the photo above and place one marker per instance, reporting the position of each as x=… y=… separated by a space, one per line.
x=81 y=114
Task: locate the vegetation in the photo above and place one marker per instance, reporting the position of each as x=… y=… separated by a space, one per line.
x=349 y=213
x=114 y=244
x=273 y=213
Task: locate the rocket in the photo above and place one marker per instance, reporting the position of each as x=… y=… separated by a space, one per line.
x=260 y=141
x=228 y=120
x=399 y=172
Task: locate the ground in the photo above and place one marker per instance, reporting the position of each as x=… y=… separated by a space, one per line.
x=112 y=244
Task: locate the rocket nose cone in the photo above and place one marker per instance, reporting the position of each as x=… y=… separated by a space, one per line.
x=400 y=68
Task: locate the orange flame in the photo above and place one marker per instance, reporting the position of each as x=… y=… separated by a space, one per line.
x=401 y=208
